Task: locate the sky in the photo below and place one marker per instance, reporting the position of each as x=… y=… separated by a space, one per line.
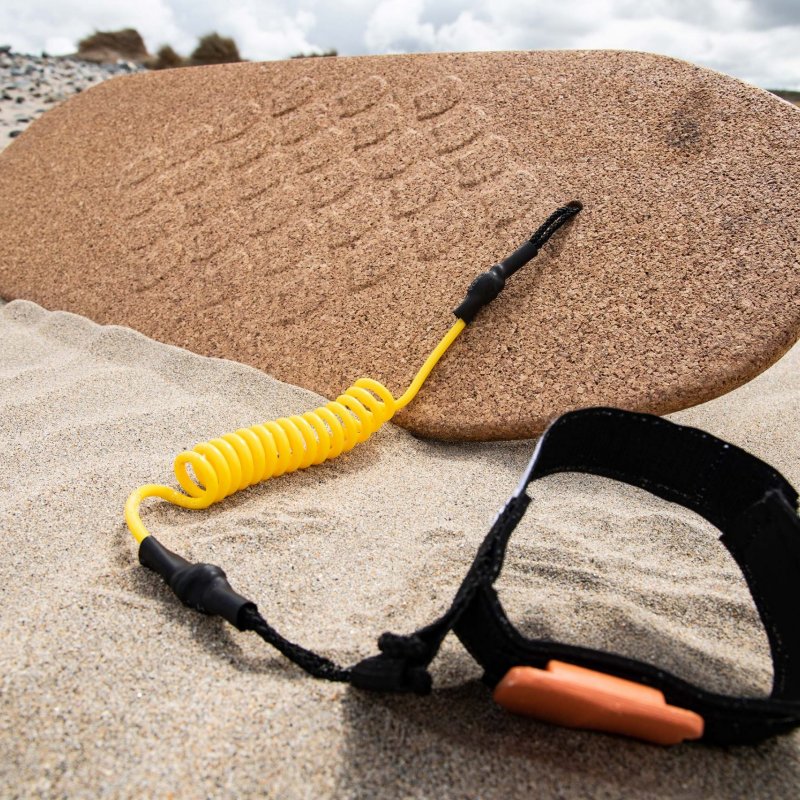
x=756 y=40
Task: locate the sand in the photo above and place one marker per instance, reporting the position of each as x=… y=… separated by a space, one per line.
x=110 y=688
x=320 y=218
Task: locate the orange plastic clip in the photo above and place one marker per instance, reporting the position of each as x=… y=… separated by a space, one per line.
x=577 y=697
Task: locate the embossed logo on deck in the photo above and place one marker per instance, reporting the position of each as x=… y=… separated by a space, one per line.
x=287 y=169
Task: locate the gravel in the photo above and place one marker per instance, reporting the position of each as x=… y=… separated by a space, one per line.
x=30 y=85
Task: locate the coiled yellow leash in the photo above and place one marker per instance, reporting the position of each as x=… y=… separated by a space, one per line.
x=249 y=456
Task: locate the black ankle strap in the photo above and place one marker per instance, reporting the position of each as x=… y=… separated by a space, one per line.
x=753 y=506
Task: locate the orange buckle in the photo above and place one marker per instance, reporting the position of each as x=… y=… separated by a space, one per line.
x=577 y=697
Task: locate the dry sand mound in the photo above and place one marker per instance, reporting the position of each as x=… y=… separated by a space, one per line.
x=110 y=688
x=319 y=218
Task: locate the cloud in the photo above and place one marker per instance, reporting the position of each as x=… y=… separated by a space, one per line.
x=753 y=39
x=396 y=25
x=263 y=29
x=774 y=13
x=34 y=25
x=756 y=41
x=766 y=57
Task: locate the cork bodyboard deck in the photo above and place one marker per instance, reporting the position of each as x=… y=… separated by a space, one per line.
x=320 y=219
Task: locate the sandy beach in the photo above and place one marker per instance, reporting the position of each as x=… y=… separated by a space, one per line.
x=112 y=689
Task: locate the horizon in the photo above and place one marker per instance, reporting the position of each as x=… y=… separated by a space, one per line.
x=753 y=41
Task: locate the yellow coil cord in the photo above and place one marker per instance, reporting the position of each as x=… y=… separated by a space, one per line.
x=249 y=456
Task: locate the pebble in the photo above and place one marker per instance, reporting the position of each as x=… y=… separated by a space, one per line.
x=30 y=85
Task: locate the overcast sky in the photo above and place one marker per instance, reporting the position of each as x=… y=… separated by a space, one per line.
x=758 y=40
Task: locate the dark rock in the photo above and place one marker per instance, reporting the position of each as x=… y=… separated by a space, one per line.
x=13 y=134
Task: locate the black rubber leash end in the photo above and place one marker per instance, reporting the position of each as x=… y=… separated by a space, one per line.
x=489 y=284
x=203 y=587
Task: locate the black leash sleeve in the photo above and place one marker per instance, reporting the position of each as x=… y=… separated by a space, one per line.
x=489 y=284
x=205 y=588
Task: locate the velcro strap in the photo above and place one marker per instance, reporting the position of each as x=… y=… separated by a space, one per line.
x=749 y=501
